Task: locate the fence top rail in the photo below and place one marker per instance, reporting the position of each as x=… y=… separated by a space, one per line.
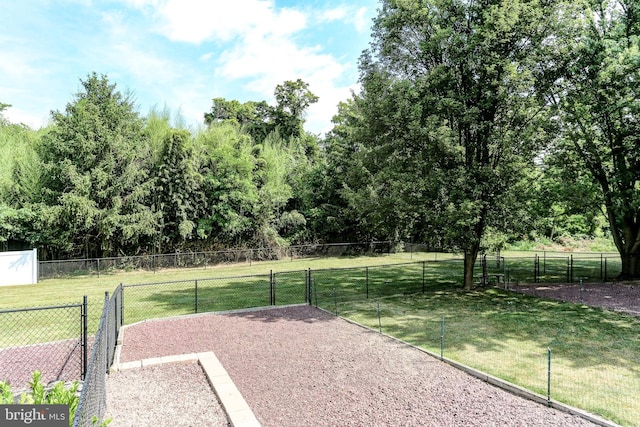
x=47 y=307
x=202 y=279
x=224 y=251
x=340 y=244
x=291 y=271
x=563 y=257
x=379 y=266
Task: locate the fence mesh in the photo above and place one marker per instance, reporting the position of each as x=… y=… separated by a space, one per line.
x=384 y=297
x=48 y=339
x=60 y=268
x=544 y=358
x=164 y=299
x=93 y=398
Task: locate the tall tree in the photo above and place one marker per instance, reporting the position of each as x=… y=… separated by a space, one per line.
x=229 y=185
x=259 y=119
x=450 y=119
x=293 y=98
x=597 y=99
x=96 y=186
x=179 y=194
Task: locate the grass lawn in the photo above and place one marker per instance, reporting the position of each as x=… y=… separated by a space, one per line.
x=595 y=353
x=168 y=300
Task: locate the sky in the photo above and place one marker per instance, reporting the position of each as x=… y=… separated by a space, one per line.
x=180 y=54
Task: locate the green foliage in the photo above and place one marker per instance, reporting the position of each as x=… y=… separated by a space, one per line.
x=179 y=194
x=259 y=119
x=447 y=119
x=230 y=190
x=595 y=96
x=6 y=397
x=38 y=395
x=96 y=186
x=273 y=165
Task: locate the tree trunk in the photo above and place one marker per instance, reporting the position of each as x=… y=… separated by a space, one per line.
x=470 y=256
x=626 y=236
x=630 y=266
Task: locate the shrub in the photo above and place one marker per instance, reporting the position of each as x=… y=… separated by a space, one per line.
x=38 y=395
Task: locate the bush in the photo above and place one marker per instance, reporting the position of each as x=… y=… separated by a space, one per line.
x=38 y=395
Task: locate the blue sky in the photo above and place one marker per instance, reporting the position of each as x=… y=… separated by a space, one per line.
x=180 y=54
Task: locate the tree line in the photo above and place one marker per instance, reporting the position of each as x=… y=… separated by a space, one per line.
x=477 y=122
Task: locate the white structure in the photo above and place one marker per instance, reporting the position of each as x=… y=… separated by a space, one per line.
x=19 y=268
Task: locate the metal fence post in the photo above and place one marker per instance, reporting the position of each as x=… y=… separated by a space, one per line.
x=84 y=314
x=308 y=286
x=366 y=280
x=601 y=270
x=270 y=287
x=571 y=268
x=116 y=326
x=275 y=284
x=121 y=304
x=549 y=376
x=442 y=340
x=105 y=309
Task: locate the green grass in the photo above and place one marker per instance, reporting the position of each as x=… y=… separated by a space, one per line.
x=171 y=299
x=595 y=353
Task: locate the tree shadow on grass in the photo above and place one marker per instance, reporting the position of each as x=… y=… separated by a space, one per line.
x=493 y=320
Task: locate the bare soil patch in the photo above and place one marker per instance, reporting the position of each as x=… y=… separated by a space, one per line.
x=299 y=366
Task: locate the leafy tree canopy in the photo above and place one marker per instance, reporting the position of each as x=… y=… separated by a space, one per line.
x=96 y=183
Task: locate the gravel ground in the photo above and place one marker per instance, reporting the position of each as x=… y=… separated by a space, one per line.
x=57 y=361
x=169 y=395
x=299 y=366
x=624 y=297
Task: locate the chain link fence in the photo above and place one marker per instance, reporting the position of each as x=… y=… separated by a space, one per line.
x=164 y=299
x=61 y=268
x=334 y=289
x=544 y=268
x=50 y=339
x=562 y=372
x=390 y=299
x=93 y=398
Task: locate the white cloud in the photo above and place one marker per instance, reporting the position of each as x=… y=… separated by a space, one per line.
x=205 y=57
x=196 y=21
x=334 y=14
x=360 y=21
x=253 y=42
x=348 y=14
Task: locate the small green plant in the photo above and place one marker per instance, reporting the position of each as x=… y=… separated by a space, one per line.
x=6 y=398
x=59 y=394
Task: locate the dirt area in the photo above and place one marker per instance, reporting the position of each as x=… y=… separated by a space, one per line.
x=617 y=296
x=57 y=361
x=299 y=366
